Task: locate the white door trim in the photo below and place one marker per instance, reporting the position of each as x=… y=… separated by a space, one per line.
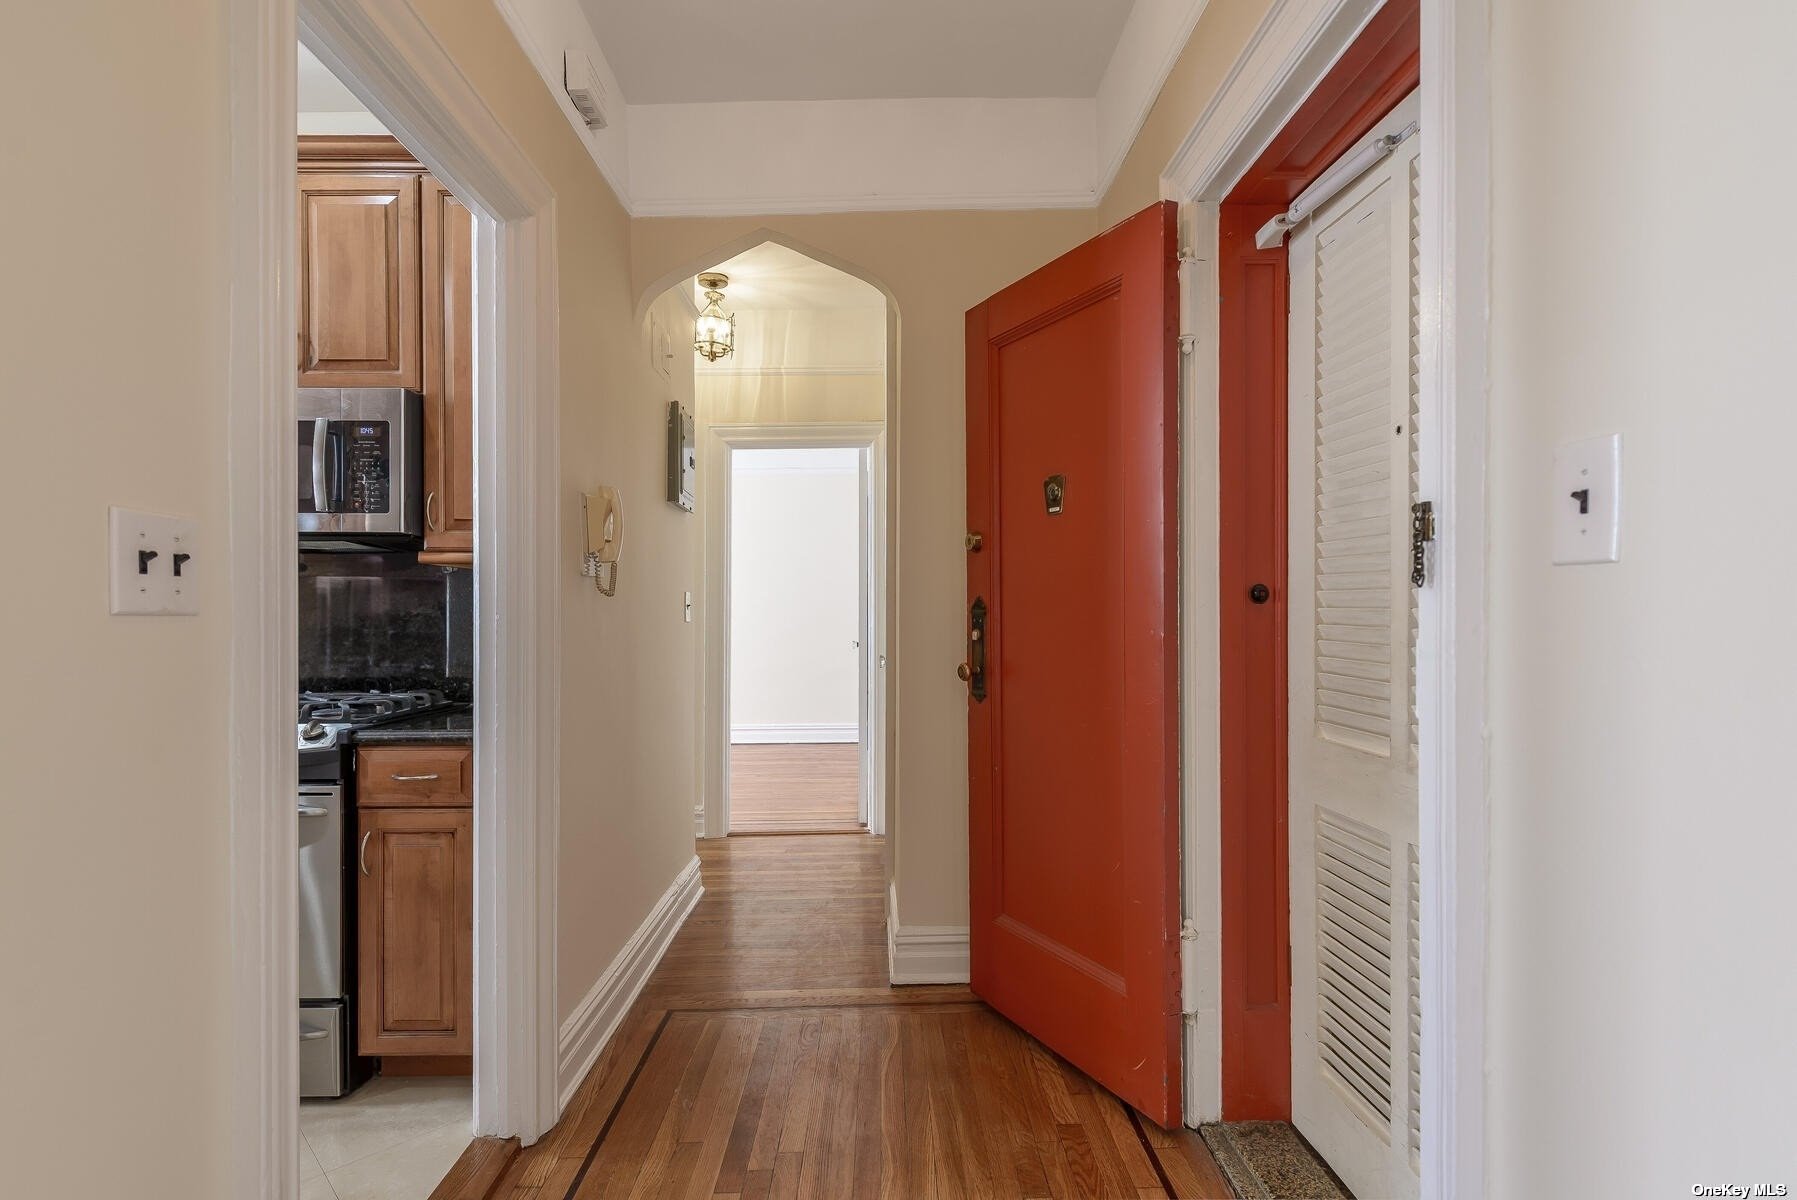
x=1294 y=47
x=389 y=57
x=722 y=441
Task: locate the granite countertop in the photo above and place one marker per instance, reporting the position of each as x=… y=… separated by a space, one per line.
x=453 y=726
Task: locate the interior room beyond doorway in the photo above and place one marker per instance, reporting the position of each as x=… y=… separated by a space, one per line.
x=798 y=620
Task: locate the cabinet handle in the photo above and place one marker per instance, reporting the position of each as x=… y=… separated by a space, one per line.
x=415 y=778
x=430 y=509
x=311 y=352
x=362 y=851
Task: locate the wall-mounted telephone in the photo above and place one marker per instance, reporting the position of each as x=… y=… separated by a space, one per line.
x=605 y=537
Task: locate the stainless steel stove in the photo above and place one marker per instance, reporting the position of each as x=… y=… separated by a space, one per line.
x=325 y=716
x=328 y=1066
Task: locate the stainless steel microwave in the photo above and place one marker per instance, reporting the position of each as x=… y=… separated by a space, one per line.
x=361 y=468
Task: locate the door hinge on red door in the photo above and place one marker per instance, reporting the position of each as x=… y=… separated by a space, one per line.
x=1190 y=976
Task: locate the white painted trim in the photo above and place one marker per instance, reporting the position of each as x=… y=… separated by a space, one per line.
x=1295 y=46
x=596 y=1018
x=1200 y=702
x=547 y=28
x=1454 y=836
x=1292 y=48
x=716 y=731
x=1153 y=38
x=797 y=204
x=388 y=56
x=784 y=735
x=924 y=953
x=264 y=593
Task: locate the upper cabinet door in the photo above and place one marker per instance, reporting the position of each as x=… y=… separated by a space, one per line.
x=448 y=377
x=358 y=271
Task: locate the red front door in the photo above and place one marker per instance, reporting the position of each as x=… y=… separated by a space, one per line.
x=1073 y=710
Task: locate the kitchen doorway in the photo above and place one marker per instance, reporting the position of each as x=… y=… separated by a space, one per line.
x=393 y=65
x=800 y=613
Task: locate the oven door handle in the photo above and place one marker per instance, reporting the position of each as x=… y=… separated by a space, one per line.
x=321 y=492
x=310 y=1033
x=312 y=810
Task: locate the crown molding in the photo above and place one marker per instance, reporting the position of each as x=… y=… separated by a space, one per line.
x=1152 y=40
x=938 y=154
x=708 y=372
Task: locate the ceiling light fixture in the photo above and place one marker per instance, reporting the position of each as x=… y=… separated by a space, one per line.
x=714 y=333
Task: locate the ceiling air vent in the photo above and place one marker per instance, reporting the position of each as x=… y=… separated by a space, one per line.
x=581 y=81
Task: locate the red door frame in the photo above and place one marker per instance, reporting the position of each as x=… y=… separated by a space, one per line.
x=1378 y=70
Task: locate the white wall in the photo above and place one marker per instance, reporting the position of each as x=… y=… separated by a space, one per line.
x=795 y=584
x=1642 y=978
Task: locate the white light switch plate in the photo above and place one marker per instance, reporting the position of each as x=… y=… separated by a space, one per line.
x=1592 y=466
x=150 y=587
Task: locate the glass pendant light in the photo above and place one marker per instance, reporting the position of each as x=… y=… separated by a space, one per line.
x=714 y=333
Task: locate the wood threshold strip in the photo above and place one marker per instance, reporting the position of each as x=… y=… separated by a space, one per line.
x=477 y=1173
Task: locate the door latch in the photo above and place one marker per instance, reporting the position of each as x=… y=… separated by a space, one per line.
x=973 y=671
x=1422 y=532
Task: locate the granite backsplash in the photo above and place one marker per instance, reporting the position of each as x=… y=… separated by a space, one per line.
x=384 y=622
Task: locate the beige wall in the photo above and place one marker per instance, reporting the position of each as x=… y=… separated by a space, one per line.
x=629 y=773
x=113 y=831
x=1642 y=980
x=938 y=265
x=114 y=925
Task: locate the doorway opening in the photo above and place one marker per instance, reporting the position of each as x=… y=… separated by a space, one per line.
x=791 y=489
x=386 y=663
x=494 y=1008
x=800 y=622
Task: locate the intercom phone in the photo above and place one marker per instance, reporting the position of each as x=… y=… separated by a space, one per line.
x=605 y=537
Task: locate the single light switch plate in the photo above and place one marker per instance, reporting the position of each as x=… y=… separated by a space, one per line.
x=155 y=568
x=1588 y=477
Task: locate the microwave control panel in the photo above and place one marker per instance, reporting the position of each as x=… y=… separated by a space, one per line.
x=366 y=455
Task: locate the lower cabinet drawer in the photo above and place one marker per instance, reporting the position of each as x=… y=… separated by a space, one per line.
x=415 y=776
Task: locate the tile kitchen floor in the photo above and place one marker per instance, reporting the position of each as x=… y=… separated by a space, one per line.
x=391 y=1139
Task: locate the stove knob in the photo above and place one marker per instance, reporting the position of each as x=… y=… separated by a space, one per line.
x=313 y=731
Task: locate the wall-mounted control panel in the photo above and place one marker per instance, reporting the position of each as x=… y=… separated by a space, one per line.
x=155 y=564
x=1587 y=500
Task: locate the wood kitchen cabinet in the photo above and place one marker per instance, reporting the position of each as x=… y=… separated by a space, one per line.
x=414 y=902
x=358 y=280
x=448 y=378
x=386 y=294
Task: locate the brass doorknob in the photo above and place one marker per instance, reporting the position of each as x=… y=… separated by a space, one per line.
x=973 y=542
x=964 y=672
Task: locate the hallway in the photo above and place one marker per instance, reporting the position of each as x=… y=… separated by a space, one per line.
x=768 y=1057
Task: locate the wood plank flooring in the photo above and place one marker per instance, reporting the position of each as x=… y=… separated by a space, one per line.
x=809 y=788
x=769 y=1058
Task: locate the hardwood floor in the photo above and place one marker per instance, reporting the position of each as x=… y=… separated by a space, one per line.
x=811 y=788
x=768 y=1058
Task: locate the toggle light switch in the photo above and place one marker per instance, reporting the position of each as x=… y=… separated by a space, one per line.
x=154 y=568
x=1587 y=500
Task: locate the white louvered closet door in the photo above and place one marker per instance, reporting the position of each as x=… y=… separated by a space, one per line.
x=1352 y=433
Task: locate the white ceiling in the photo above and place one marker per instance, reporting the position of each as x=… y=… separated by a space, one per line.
x=772 y=277
x=688 y=51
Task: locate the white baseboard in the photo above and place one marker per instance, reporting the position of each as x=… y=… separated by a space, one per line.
x=591 y=1025
x=762 y=735
x=924 y=953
